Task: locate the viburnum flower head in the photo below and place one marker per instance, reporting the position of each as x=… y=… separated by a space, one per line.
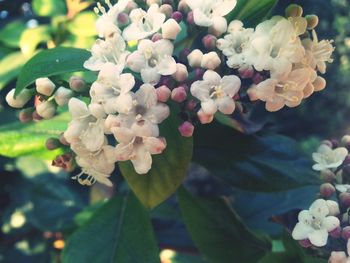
x=144 y=24
x=208 y=13
x=153 y=60
x=327 y=158
x=315 y=224
x=110 y=50
x=216 y=93
x=112 y=90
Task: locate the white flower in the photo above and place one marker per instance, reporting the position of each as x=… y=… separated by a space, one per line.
x=153 y=60
x=137 y=148
x=109 y=50
x=170 y=29
x=340 y=256
x=285 y=91
x=146 y=113
x=112 y=90
x=107 y=23
x=275 y=46
x=216 y=93
x=235 y=44
x=195 y=58
x=343 y=188
x=318 y=52
x=84 y=127
x=208 y=13
x=326 y=157
x=45 y=86
x=21 y=99
x=46 y=109
x=315 y=224
x=144 y=24
x=97 y=165
x=210 y=60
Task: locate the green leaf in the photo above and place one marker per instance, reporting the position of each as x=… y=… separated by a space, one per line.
x=20 y=139
x=51 y=62
x=32 y=37
x=251 y=12
x=83 y=24
x=10 y=66
x=168 y=168
x=49 y=7
x=11 y=33
x=264 y=163
x=120 y=231
x=218 y=232
x=280 y=257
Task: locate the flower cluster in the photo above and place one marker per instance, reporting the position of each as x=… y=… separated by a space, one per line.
x=326 y=224
x=188 y=51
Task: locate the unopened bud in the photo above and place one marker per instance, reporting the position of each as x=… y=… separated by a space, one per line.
x=170 y=29
x=305 y=243
x=36 y=116
x=25 y=115
x=327 y=190
x=191 y=105
x=333 y=208
x=156 y=37
x=52 y=144
x=257 y=78
x=123 y=19
x=163 y=93
x=63 y=95
x=46 y=109
x=319 y=83
x=177 y=16
x=183 y=7
x=336 y=233
x=335 y=143
x=181 y=73
x=219 y=26
x=246 y=72
x=312 y=21
x=346 y=233
x=345 y=141
x=210 y=60
x=179 y=94
x=294 y=10
x=345 y=199
x=77 y=84
x=209 y=42
x=45 y=86
x=195 y=58
x=327 y=176
x=186 y=129
x=204 y=118
x=21 y=99
x=65 y=162
x=190 y=18
x=166 y=9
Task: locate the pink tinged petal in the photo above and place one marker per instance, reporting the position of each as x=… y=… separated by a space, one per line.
x=78 y=108
x=123 y=151
x=330 y=223
x=266 y=89
x=231 y=85
x=166 y=66
x=338 y=257
x=136 y=61
x=275 y=104
x=142 y=160
x=204 y=118
x=145 y=129
x=226 y=105
x=300 y=76
x=123 y=103
x=318 y=237
x=201 y=19
x=123 y=135
x=126 y=82
x=319 y=209
x=147 y=96
x=154 y=145
x=209 y=107
x=301 y=231
x=150 y=75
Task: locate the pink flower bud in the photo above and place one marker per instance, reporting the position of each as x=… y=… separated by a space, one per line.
x=209 y=42
x=156 y=37
x=246 y=72
x=191 y=105
x=21 y=99
x=45 y=86
x=305 y=243
x=77 y=84
x=170 y=29
x=166 y=9
x=52 y=144
x=36 y=116
x=204 y=118
x=257 y=78
x=181 y=73
x=190 y=18
x=25 y=115
x=346 y=233
x=183 y=7
x=327 y=176
x=327 y=190
x=177 y=16
x=336 y=233
x=123 y=19
x=186 y=129
x=345 y=199
x=179 y=94
x=195 y=58
x=163 y=93
x=46 y=109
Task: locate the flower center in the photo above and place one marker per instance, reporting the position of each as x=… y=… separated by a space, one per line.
x=216 y=92
x=316 y=224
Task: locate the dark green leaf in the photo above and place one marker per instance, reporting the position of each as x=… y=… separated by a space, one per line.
x=120 y=231
x=51 y=62
x=251 y=12
x=218 y=232
x=280 y=257
x=264 y=163
x=49 y=7
x=168 y=169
